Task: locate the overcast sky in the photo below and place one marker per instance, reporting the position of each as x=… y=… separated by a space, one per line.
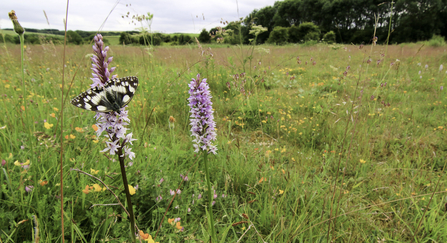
x=170 y=16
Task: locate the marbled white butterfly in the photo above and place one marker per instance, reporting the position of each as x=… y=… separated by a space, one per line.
x=113 y=96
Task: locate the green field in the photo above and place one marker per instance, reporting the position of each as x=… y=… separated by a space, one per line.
x=318 y=143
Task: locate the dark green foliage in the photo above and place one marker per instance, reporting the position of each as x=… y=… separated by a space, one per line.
x=83 y=34
x=29 y=39
x=235 y=33
x=353 y=21
x=278 y=36
x=312 y=36
x=183 y=39
x=73 y=38
x=6 y=38
x=157 y=39
x=126 y=38
x=308 y=31
x=263 y=17
x=154 y=39
x=204 y=37
x=144 y=40
x=420 y=21
x=166 y=38
x=294 y=36
x=52 y=39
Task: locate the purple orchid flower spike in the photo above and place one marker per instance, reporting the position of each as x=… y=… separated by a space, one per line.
x=114 y=123
x=202 y=118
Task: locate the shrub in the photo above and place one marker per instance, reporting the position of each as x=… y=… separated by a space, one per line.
x=436 y=41
x=312 y=36
x=6 y=38
x=74 y=38
x=294 y=34
x=204 y=37
x=308 y=31
x=329 y=37
x=147 y=39
x=29 y=39
x=184 y=39
x=125 y=38
x=279 y=35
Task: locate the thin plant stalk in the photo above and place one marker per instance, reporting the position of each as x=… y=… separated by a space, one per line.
x=210 y=196
x=61 y=175
x=126 y=190
x=22 y=54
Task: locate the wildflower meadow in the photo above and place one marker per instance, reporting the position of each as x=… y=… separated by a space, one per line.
x=218 y=143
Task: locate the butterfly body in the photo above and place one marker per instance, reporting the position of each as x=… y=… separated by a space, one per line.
x=114 y=95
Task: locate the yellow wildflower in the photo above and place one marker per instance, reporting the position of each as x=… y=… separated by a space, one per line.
x=47 y=125
x=97 y=188
x=131 y=190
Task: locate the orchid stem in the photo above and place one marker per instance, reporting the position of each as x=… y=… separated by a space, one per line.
x=210 y=209
x=126 y=189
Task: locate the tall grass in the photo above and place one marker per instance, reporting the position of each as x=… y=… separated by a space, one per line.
x=280 y=136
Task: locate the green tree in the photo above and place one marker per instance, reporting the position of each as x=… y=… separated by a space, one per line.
x=74 y=38
x=287 y=13
x=263 y=17
x=166 y=38
x=83 y=34
x=278 y=36
x=418 y=20
x=232 y=33
x=183 y=39
x=204 y=37
x=125 y=38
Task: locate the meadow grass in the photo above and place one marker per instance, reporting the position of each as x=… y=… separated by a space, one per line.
x=306 y=152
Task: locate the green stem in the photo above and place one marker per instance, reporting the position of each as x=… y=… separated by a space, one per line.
x=210 y=209
x=22 y=41
x=126 y=189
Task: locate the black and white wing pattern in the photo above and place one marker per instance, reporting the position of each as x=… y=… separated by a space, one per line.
x=113 y=96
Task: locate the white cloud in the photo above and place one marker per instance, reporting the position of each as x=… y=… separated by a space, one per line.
x=169 y=16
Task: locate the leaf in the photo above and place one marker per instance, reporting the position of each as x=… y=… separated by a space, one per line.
x=224 y=234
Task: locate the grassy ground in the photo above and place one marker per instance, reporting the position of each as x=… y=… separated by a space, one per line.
x=307 y=151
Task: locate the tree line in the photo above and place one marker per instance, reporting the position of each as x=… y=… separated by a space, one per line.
x=341 y=21
x=155 y=39
x=352 y=21
x=296 y=21
x=79 y=37
x=40 y=36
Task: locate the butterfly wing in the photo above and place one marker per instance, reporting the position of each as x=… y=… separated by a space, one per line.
x=113 y=96
x=123 y=90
